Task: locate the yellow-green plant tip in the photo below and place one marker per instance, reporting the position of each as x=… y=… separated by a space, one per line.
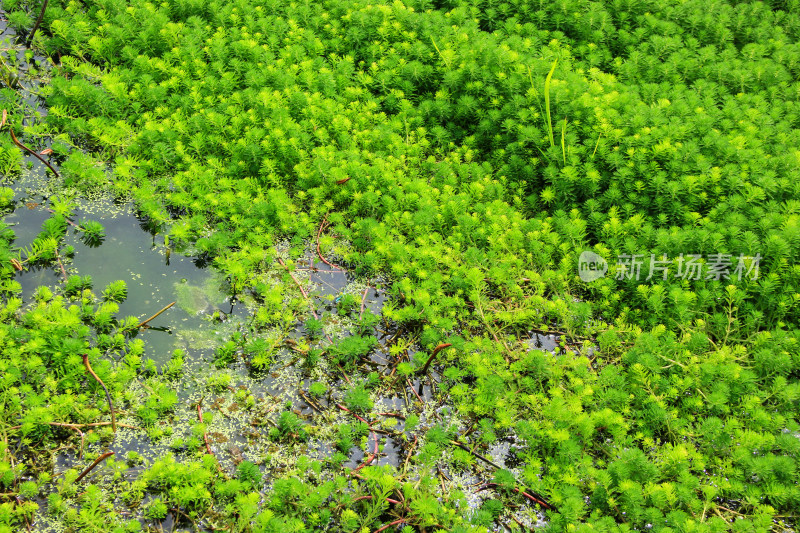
x=547 y=101
x=597 y=144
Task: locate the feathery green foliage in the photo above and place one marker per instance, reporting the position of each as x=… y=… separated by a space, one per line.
x=415 y=130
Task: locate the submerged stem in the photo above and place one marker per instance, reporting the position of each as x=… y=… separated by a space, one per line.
x=322 y=226
x=144 y=324
x=108 y=396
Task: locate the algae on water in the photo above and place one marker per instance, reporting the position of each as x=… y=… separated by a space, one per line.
x=199 y=299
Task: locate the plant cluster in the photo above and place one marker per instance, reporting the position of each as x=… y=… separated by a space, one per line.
x=469 y=151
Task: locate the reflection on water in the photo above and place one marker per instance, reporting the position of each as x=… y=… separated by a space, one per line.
x=139 y=259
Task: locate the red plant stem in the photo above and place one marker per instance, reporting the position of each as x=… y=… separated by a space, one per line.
x=343 y=408
x=374 y=435
x=63 y=271
x=305 y=295
x=16 y=141
x=205 y=435
x=347 y=379
x=395 y=415
x=433 y=356
x=414 y=391
x=71 y=223
x=302 y=290
x=94 y=464
x=524 y=494
x=390 y=524
x=370 y=497
x=371 y=457
x=322 y=226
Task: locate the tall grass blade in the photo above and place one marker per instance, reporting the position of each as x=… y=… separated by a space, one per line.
x=597 y=144
x=547 y=101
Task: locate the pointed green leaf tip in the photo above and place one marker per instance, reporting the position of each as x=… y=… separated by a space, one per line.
x=547 y=101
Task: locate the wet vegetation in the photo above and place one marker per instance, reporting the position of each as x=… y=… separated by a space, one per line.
x=369 y=217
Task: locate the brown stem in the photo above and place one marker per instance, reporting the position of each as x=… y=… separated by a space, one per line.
x=415 y=391
x=390 y=524
x=476 y=454
x=375 y=453
x=144 y=324
x=40 y=158
x=205 y=435
x=189 y=518
x=27 y=524
x=94 y=464
x=433 y=356
x=523 y=526
x=530 y=497
x=38 y=21
x=363 y=302
x=63 y=270
x=76 y=426
x=343 y=181
x=108 y=396
x=308 y=401
x=395 y=415
x=319 y=253
x=408 y=456
x=71 y=223
x=305 y=295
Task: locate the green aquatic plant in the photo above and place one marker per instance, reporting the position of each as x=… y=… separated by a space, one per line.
x=416 y=133
x=10 y=157
x=116 y=291
x=317 y=388
x=350 y=349
x=76 y=284
x=260 y=352
x=93 y=232
x=289 y=427
x=357 y=399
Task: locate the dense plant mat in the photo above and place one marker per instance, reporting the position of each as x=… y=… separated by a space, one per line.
x=468 y=152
